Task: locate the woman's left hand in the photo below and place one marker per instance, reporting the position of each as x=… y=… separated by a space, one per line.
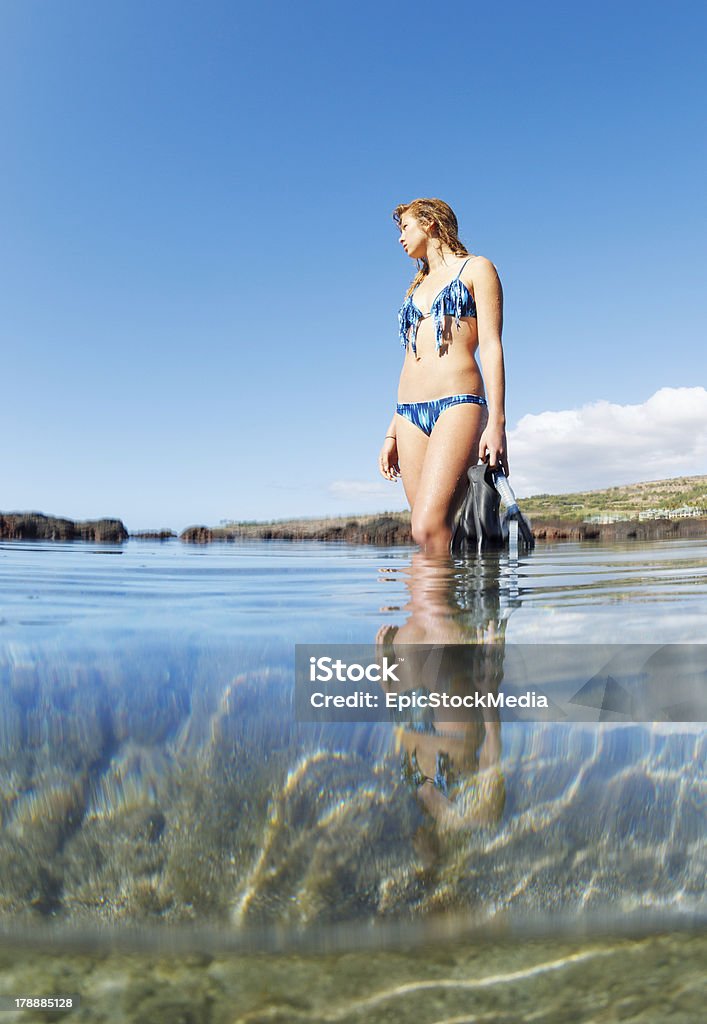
x=492 y=448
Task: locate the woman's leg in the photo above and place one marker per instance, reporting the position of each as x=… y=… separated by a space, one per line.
x=412 y=446
x=440 y=483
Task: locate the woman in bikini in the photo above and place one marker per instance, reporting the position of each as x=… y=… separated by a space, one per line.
x=444 y=420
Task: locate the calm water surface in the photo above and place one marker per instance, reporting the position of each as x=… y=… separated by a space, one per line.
x=153 y=775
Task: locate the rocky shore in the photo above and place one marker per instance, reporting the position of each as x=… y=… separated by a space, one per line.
x=383 y=530
x=646 y=529
x=394 y=529
x=36 y=526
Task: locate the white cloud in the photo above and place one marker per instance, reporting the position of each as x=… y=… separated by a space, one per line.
x=603 y=444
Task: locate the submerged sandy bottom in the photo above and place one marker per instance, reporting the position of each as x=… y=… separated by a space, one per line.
x=652 y=980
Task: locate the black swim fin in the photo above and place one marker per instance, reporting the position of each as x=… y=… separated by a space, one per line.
x=487 y=503
x=478 y=526
x=464 y=538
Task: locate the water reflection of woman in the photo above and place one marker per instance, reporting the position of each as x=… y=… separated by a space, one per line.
x=450 y=759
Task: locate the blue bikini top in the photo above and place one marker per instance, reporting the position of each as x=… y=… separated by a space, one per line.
x=454 y=300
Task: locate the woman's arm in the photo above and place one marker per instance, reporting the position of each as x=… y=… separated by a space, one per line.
x=488 y=296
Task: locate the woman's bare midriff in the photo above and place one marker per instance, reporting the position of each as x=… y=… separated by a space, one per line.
x=451 y=370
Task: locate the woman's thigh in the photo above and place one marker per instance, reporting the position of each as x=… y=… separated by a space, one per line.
x=452 y=447
x=412 y=446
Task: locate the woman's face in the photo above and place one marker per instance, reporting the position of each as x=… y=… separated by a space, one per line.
x=413 y=236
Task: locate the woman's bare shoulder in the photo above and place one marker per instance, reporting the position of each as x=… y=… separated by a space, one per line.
x=480 y=266
x=481 y=275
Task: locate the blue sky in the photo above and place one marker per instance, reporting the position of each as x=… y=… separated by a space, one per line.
x=201 y=276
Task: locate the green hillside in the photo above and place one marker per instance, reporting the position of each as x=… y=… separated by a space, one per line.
x=627 y=500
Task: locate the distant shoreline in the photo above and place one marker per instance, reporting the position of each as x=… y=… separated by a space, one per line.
x=656 y=510
x=394 y=529
x=642 y=511
x=391 y=530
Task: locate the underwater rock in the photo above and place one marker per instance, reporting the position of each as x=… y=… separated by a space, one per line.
x=151 y=712
x=30 y=885
x=136 y=778
x=55 y=804
x=315 y=861
x=231 y=767
x=113 y=867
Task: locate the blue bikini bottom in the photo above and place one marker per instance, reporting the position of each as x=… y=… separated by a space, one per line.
x=425 y=414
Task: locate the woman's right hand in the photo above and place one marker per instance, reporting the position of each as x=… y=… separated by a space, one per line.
x=388 y=459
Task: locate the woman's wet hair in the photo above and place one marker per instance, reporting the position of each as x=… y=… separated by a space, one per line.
x=428 y=212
